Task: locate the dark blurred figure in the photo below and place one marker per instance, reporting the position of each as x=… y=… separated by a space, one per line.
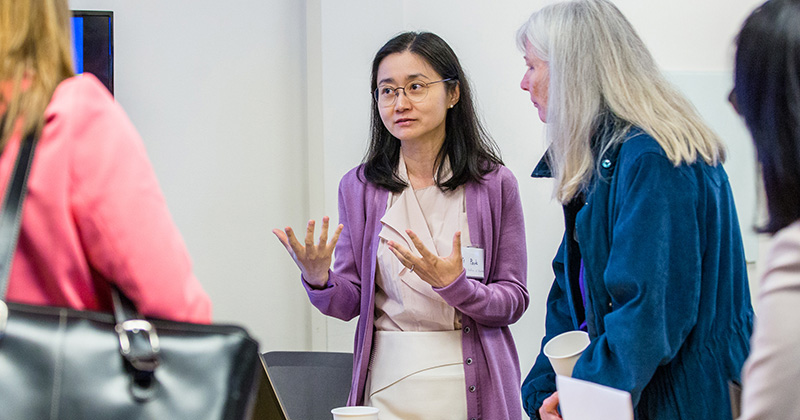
x=767 y=94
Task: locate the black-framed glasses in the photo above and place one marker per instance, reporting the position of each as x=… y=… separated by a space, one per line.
x=415 y=91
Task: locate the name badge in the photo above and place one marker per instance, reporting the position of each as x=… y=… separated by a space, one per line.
x=472 y=258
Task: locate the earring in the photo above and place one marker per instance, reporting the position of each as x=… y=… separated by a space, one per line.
x=451 y=107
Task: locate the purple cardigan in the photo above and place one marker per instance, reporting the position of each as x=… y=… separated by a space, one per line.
x=488 y=306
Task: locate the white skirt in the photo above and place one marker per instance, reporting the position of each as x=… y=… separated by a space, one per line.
x=417 y=375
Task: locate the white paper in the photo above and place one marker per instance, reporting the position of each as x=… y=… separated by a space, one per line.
x=583 y=400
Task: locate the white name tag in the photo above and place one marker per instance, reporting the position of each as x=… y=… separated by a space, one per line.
x=472 y=258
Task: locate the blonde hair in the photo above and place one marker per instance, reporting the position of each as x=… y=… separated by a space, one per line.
x=35 y=56
x=600 y=69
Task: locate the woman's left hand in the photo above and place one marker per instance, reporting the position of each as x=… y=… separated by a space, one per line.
x=434 y=270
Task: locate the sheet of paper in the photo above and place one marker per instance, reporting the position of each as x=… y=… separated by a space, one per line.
x=583 y=400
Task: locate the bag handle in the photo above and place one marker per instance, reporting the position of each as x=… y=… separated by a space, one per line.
x=138 y=340
x=11 y=212
x=11 y=217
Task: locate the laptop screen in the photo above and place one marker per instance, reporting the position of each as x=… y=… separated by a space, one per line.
x=267 y=405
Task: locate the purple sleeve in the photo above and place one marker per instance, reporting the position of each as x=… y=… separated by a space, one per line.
x=341 y=297
x=501 y=298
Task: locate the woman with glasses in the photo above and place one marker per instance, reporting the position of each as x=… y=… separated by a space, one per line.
x=767 y=95
x=652 y=262
x=431 y=252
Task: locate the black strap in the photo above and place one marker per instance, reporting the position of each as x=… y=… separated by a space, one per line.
x=11 y=212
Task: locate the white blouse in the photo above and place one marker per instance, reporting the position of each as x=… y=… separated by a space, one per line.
x=403 y=301
x=772 y=371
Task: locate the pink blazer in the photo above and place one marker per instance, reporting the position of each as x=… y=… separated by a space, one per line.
x=95 y=214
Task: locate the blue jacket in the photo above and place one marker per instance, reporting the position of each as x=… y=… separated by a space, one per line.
x=668 y=304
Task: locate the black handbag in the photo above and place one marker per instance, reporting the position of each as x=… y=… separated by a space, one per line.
x=60 y=363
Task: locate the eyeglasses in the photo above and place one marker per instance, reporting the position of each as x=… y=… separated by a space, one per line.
x=415 y=91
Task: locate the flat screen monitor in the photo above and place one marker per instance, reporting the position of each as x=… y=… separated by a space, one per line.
x=93 y=41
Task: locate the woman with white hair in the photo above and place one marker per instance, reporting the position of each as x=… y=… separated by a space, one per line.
x=652 y=262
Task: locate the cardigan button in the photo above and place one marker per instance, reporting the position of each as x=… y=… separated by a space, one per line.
x=472 y=388
x=466 y=330
x=469 y=360
x=606 y=163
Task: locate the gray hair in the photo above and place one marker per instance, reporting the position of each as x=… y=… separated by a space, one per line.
x=599 y=69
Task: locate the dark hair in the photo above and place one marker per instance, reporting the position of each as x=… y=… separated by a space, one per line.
x=471 y=151
x=767 y=95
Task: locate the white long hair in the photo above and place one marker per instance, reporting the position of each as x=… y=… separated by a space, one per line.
x=599 y=67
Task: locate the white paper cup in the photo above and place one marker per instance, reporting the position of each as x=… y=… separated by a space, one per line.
x=564 y=350
x=355 y=413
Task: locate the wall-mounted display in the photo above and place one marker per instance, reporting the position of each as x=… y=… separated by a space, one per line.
x=93 y=39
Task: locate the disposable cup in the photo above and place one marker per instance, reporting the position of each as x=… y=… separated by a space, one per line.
x=564 y=350
x=355 y=413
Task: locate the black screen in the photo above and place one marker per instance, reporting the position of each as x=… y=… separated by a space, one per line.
x=93 y=37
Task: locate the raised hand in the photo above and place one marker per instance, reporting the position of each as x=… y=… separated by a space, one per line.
x=434 y=270
x=314 y=260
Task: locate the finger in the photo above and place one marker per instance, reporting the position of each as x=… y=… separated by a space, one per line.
x=281 y=237
x=399 y=248
x=418 y=244
x=547 y=404
x=296 y=246
x=457 y=245
x=551 y=404
x=400 y=252
x=323 y=236
x=310 y=234
x=548 y=415
x=549 y=410
x=336 y=235
x=284 y=241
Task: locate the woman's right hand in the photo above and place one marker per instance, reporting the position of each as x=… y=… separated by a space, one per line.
x=549 y=408
x=313 y=260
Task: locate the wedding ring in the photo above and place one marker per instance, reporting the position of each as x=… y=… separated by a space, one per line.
x=411 y=270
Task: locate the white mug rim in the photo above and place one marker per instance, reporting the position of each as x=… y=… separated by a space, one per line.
x=362 y=409
x=576 y=352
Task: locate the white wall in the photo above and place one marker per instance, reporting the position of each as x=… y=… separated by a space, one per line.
x=248 y=112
